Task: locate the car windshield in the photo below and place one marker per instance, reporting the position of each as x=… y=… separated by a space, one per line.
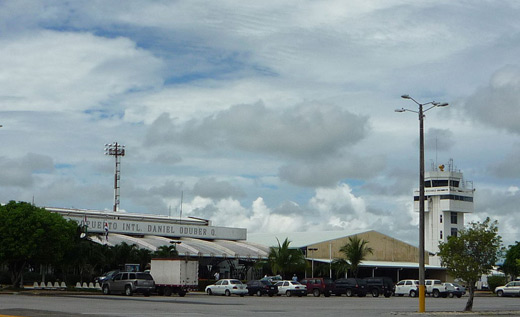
x=235 y=282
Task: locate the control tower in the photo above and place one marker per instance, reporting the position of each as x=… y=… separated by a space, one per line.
x=447 y=198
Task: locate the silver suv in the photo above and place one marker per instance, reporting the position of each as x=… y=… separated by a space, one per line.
x=129 y=283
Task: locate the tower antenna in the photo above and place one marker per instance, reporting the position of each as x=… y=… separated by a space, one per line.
x=180 y=214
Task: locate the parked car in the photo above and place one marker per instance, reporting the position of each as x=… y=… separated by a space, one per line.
x=350 y=286
x=510 y=289
x=262 y=287
x=454 y=289
x=129 y=283
x=273 y=279
x=290 y=288
x=227 y=287
x=407 y=287
x=319 y=285
x=105 y=276
x=380 y=285
x=435 y=288
x=462 y=288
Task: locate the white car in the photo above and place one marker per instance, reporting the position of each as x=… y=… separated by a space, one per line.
x=435 y=288
x=227 y=287
x=290 y=288
x=407 y=287
x=510 y=289
x=454 y=289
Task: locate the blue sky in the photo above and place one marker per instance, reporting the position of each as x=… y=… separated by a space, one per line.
x=273 y=116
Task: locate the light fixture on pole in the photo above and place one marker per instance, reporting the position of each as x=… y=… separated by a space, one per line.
x=421 y=191
x=312 y=260
x=117 y=150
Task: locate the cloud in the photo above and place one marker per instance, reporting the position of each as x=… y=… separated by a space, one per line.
x=439 y=140
x=23 y=171
x=307 y=130
x=72 y=71
x=329 y=171
x=498 y=104
x=214 y=189
x=508 y=167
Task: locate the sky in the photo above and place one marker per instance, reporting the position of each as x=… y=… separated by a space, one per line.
x=275 y=116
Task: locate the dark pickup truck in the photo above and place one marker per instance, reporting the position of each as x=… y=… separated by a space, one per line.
x=380 y=286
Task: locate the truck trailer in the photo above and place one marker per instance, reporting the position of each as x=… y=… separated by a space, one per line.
x=174 y=276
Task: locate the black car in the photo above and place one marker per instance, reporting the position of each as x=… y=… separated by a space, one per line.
x=380 y=286
x=261 y=287
x=351 y=286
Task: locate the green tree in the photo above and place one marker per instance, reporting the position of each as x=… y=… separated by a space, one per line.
x=284 y=260
x=340 y=267
x=88 y=258
x=472 y=253
x=32 y=235
x=144 y=257
x=166 y=251
x=511 y=264
x=123 y=253
x=355 y=250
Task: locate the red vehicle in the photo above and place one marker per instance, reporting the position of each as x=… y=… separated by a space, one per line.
x=319 y=285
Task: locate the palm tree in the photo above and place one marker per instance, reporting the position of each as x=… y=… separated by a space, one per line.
x=355 y=251
x=166 y=251
x=283 y=260
x=340 y=267
x=124 y=253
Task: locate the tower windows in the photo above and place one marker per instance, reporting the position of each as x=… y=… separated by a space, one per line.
x=440 y=219
x=440 y=236
x=454 y=218
x=454 y=231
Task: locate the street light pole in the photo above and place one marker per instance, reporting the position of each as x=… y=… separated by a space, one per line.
x=422 y=295
x=117 y=150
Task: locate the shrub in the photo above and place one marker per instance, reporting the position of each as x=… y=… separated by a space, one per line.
x=496 y=280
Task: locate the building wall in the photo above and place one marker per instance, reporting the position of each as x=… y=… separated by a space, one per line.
x=385 y=248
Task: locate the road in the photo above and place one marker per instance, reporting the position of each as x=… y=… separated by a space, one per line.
x=204 y=305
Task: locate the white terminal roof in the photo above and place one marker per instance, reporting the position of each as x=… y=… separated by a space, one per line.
x=189 y=246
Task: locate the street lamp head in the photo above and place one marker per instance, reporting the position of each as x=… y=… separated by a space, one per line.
x=444 y=104
x=400 y=110
x=406 y=97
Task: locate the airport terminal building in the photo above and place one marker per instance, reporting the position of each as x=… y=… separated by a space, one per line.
x=221 y=249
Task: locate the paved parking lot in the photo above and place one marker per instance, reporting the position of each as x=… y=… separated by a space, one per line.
x=204 y=305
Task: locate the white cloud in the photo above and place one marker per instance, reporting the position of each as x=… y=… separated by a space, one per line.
x=72 y=71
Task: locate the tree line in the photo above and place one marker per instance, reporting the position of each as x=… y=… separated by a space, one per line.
x=34 y=239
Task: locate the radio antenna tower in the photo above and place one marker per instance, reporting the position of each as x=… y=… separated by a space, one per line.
x=117 y=150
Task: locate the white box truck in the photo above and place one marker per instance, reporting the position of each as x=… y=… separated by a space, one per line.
x=174 y=276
